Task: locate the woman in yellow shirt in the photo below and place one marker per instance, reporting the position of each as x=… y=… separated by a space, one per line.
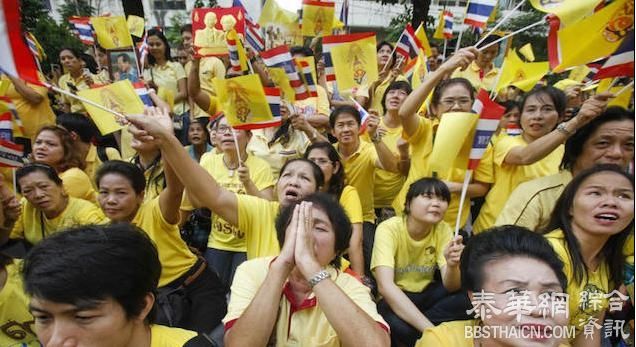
x=370 y=96
x=408 y=253
x=54 y=146
x=496 y=265
x=589 y=227
x=538 y=151
x=75 y=79
x=45 y=208
x=328 y=159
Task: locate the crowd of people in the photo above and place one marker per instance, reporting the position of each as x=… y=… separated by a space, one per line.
x=182 y=231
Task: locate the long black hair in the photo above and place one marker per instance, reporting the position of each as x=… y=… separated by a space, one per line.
x=562 y=219
x=158 y=33
x=338 y=179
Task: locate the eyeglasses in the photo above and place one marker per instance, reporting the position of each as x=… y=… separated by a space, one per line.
x=450 y=102
x=224 y=130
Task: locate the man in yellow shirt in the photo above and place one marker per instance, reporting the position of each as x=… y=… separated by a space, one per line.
x=608 y=139
x=482 y=73
x=360 y=159
x=104 y=294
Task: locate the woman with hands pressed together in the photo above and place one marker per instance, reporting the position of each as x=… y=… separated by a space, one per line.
x=300 y=297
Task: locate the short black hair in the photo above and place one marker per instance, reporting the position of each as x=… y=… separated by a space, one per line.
x=426 y=185
x=343 y=109
x=305 y=51
x=91 y=263
x=556 y=95
x=562 y=219
x=403 y=85
x=574 y=145
x=441 y=87
x=334 y=211
x=79 y=124
x=46 y=169
x=124 y=57
x=503 y=242
x=185 y=28
x=128 y=170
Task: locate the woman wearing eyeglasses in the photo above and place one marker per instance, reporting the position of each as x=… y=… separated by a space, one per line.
x=46 y=208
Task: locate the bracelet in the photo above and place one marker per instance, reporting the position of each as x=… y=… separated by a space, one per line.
x=319 y=277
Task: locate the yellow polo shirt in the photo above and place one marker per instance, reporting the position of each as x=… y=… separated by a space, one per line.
x=302 y=324
x=585 y=299
x=15 y=319
x=376 y=101
x=80 y=84
x=77 y=212
x=472 y=74
x=168 y=77
x=163 y=336
x=225 y=236
x=350 y=201
x=77 y=184
x=278 y=153
x=359 y=168
x=175 y=256
x=93 y=162
x=531 y=204
x=413 y=261
x=510 y=176
x=256 y=218
x=387 y=184
x=33 y=116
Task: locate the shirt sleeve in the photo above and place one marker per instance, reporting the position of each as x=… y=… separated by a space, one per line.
x=77 y=184
x=385 y=245
x=91 y=215
x=243 y=290
x=485 y=170
x=261 y=175
x=521 y=211
x=350 y=201
x=502 y=148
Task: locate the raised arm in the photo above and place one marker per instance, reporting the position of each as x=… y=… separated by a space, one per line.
x=544 y=145
x=408 y=110
x=170 y=197
x=451 y=275
x=386 y=159
x=201 y=98
x=31 y=95
x=200 y=185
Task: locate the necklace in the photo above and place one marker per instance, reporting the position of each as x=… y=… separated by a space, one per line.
x=229 y=169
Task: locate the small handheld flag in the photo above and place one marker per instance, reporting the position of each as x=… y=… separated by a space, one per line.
x=489 y=114
x=478 y=12
x=10 y=154
x=81 y=27
x=408 y=45
x=280 y=57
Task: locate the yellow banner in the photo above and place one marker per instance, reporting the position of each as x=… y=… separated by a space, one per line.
x=454 y=139
x=112 y=32
x=119 y=97
x=519 y=74
x=568 y=11
x=421 y=35
x=317 y=18
x=355 y=64
x=136 y=25
x=243 y=100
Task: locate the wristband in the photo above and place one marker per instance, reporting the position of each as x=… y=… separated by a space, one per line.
x=563 y=129
x=319 y=277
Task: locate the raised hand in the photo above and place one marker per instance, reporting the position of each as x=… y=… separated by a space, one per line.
x=461 y=59
x=592 y=108
x=453 y=251
x=243 y=174
x=155 y=124
x=304 y=252
x=372 y=123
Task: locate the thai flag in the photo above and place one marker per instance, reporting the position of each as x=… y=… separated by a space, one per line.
x=308 y=78
x=489 y=114
x=513 y=129
x=238 y=3
x=15 y=59
x=274 y=100
x=280 y=57
x=621 y=62
x=33 y=46
x=333 y=40
x=143 y=50
x=144 y=94
x=10 y=123
x=448 y=24
x=10 y=154
x=364 y=116
x=408 y=45
x=254 y=36
x=478 y=12
x=83 y=29
x=409 y=69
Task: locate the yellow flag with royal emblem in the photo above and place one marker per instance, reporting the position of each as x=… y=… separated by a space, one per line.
x=119 y=97
x=522 y=75
x=568 y=11
x=280 y=79
x=136 y=25
x=355 y=64
x=419 y=71
x=243 y=100
x=112 y=32
x=317 y=18
x=579 y=73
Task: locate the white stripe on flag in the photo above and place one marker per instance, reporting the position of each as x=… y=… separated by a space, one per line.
x=487 y=124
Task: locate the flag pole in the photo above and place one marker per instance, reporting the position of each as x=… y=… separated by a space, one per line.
x=461 y=200
x=444 y=52
x=624 y=89
x=236 y=145
x=92 y=103
x=459 y=40
x=542 y=21
x=501 y=21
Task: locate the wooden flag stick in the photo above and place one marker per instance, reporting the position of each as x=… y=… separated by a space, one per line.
x=238 y=151
x=501 y=21
x=542 y=21
x=461 y=200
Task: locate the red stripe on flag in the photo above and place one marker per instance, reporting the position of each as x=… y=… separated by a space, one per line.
x=24 y=63
x=553 y=41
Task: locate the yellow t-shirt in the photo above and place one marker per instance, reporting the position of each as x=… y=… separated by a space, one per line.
x=77 y=212
x=472 y=74
x=413 y=261
x=359 y=168
x=256 y=218
x=80 y=84
x=302 y=325
x=530 y=205
x=448 y=334
x=421 y=146
x=78 y=185
x=168 y=76
x=93 y=162
x=175 y=256
x=350 y=201
x=278 y=154
x=510 y=176
x=585 y=299
x=387 y=184
x=376 y=101
x=485 y=171
x=225 y=236
x=33 y=116
x=16 y=322
x=163 y=336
